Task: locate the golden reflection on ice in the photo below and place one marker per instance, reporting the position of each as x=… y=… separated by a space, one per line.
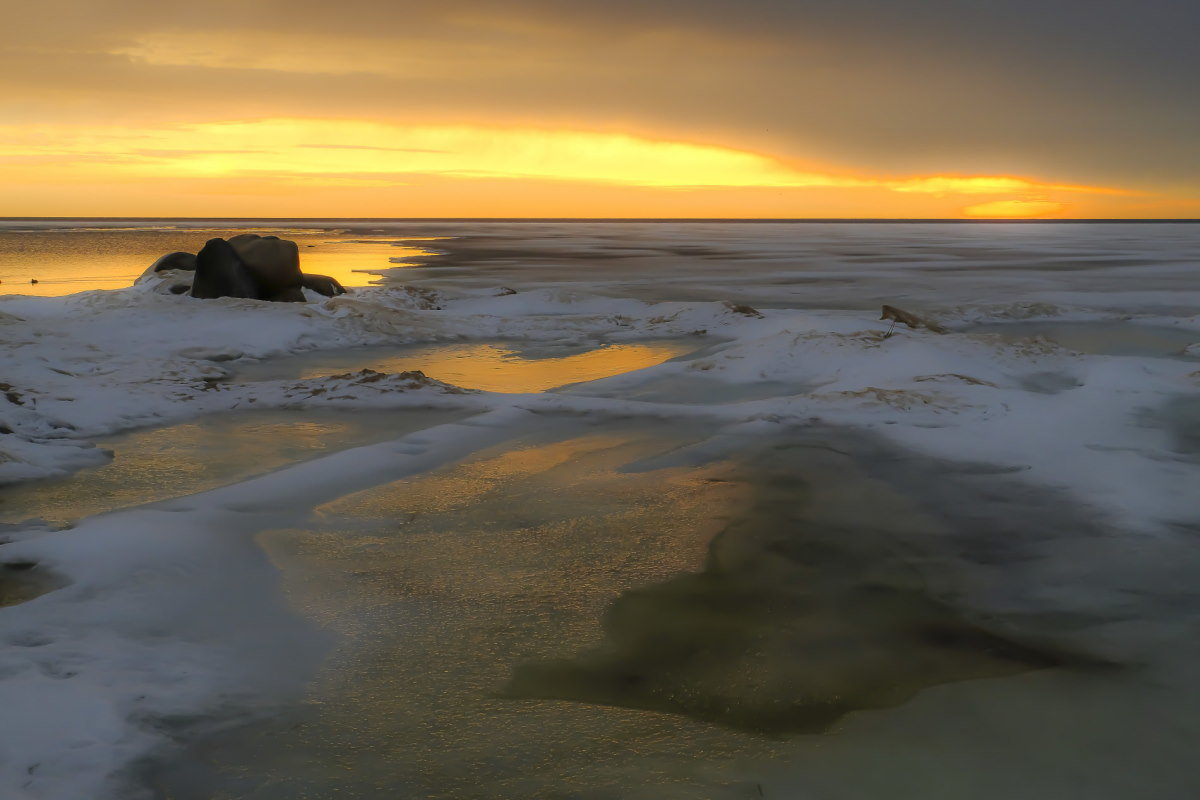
x=345 y=260
x=438 y=584
x=177 y=460
x=458 y=488
x=495 y=368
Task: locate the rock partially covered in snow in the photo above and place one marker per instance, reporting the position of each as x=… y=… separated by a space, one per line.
x=322 y=284
x=176 y=260
x=247 y=265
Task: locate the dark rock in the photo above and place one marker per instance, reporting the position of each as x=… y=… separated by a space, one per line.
x=322 y=284
x=221 y=273
x=176 y=260
x=744 y=310
x=247 y=265
x=909 y=319
x=274 y=263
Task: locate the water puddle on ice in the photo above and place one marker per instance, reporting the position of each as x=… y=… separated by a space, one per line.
x=22 y=581
x=1099 y=338
x=348 y=259
x=490 y=366
x=585 y=614
x=160 y=463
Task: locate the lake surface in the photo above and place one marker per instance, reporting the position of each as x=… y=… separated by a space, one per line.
x=702 y=533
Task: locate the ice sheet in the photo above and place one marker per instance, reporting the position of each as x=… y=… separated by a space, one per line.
x=783 y=320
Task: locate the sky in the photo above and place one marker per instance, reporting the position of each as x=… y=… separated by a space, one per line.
x=601 y=108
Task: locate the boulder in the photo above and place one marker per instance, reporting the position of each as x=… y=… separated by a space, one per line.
x=220 y=272
x=247 y=265
x=274 y=263
x=176 y=260
x=322 y=284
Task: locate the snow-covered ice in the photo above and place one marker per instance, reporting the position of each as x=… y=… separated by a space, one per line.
x=765 y=328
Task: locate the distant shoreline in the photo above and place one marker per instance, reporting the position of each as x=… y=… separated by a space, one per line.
x=604 y=220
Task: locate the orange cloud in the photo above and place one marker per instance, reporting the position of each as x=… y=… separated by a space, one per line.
x=332 y=146
x=516 y=171
x=989 y=184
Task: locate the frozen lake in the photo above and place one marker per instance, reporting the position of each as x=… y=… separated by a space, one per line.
x=665 y=514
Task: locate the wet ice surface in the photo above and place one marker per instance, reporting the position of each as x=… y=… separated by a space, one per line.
x=692 y=616
x=704 y=531
x=831 y=266
x=1100 y=338
x=159 y=463
x=490 y=366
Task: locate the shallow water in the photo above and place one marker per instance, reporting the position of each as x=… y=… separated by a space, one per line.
x=20 y=582
x=587 y=611
x=176 y=460
x=488 y=366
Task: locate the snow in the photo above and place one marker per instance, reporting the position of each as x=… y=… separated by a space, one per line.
x=90 y=670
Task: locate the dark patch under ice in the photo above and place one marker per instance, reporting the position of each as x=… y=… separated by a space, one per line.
x=808 y=608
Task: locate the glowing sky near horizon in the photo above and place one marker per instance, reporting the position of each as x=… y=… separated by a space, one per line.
x=806 y=108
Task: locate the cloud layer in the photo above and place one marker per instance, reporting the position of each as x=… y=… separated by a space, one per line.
x=1066 y=95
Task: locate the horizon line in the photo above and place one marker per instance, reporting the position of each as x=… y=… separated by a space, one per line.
x=759 y=220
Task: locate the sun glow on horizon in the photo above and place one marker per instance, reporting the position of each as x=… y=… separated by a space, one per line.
x=1015 y=209
x=286 y=156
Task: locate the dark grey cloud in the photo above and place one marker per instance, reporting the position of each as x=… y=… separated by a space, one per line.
x=1084 y=90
